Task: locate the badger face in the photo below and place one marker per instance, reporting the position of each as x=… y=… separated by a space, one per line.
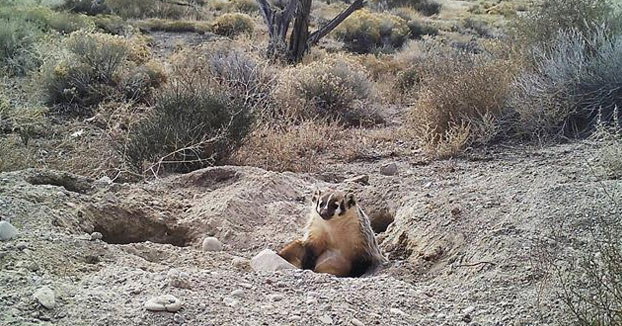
x=332 y=204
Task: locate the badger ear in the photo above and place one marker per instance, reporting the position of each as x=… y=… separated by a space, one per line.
x=316 y=195
x=349 y=199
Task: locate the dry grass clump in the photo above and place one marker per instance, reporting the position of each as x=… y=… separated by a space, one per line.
x=169 y=25
x=233 y=24
x=296 y=148
x=460 y=102
x=336 y=88
x=572 y=79
x=89 y=68
x=47 y=19
x=151 y=8
x=425 y=7
x=366 y=31
x=245 y=6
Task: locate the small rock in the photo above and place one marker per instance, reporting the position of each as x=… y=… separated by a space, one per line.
x=96 y=236
x=21 y=246
x=211 y=244
x=178 y=279
x=326 y=320
x=246 y=285
x=165 y=302
x=362 y=179
x=468 y=310
x=104 y=180
x=389 y=169
x=7 y=231
x=275 y=297
x=397 y=312
x=268 y=261
x=240 y=263
x=179 y=319
x=467 y=318
x=231 y=302
x=356 y=322
x=45 y=296
x=238 y=293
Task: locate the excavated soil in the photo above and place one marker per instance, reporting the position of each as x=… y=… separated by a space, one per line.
x=466 y=239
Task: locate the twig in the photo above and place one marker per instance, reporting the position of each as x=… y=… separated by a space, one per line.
x=477 y=264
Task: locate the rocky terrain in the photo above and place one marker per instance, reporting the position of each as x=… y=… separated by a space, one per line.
x=465 y=244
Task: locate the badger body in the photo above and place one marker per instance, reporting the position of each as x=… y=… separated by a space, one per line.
x=338 y=238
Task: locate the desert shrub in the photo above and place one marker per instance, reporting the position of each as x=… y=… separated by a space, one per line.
x=17 y=38
x=88 y=7
x=571 y=81
x=190 y=127
x=110 y=24
x=296 y=148
x=478 y=27
x=334 y=88
x=89 y=68
x=233 y=24
x=542 y=23
x=156 y=24
x=460 y=102
x=243 y=76
x=365 y=31
x=245 y=6
x=152 y=8
x=425 y=7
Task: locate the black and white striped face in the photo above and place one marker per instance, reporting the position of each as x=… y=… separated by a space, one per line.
x=330 y=204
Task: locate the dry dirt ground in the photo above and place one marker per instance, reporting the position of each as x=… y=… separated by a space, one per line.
x=465 y=245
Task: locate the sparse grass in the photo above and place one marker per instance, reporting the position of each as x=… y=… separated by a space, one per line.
x=147 y=8
x=17 y=38
x=48 y=19
x=425 y=7
x=334 y=88
x=297 y=148
x=366 y=31
x=245 y=6
x=233 y=24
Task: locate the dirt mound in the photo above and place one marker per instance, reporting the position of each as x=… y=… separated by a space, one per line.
x=463 y=246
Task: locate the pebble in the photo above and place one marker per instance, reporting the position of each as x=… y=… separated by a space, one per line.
x=356 y=322
x=268 y=261
x=389 y=169
x=21 y=246
x=238 y=293
x=326 y=320
x=96 y=236
x=231 y=302
x=246 y=285
x=240 y=263
x=178 y=279
x=275 y=297
x=7 y=231
x=165 y=302
x=211 y=244
x=397 y=312
x=45 y=296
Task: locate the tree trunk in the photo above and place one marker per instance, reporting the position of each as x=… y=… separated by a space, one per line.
x=278 y=20
x=298 y=45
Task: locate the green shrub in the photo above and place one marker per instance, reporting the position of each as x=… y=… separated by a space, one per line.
x=88 y=7
x=147 y=8
x=233 y=24
x=334 y=88
x=365 y=31
x=190 y=127
x=110 y=24
x=572 y=80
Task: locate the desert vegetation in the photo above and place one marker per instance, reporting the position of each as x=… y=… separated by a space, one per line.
x=135 y=90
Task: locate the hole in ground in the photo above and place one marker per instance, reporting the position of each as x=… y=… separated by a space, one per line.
x=380 y=220
x=121 y=226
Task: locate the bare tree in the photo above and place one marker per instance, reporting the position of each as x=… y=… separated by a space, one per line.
x=278 y=19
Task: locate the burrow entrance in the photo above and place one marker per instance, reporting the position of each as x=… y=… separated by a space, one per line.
x=120 y=225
